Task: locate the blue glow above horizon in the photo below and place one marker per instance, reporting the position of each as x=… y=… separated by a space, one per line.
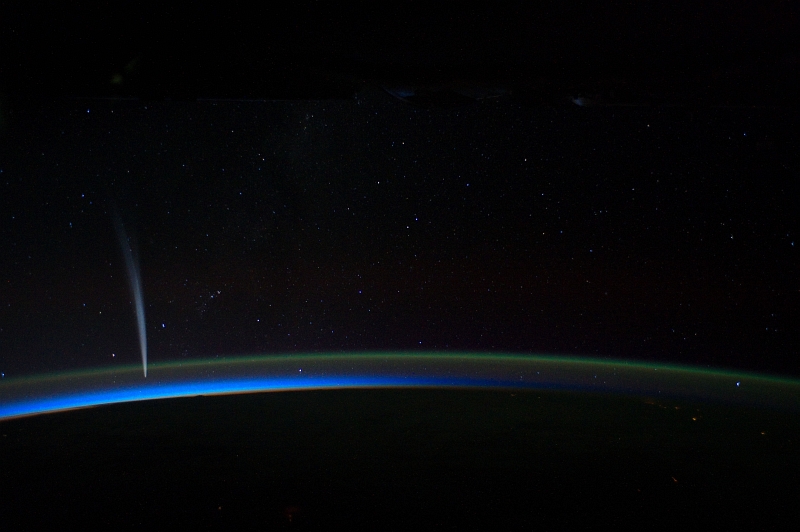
x=234 y=386
x=57 y=392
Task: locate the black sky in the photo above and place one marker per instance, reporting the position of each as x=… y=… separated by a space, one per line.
x=339 y=218
x=275 y=227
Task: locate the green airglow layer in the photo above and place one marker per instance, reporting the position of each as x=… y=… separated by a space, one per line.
x=259 y=373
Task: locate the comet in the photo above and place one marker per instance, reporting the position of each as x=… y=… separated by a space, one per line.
x=134 y=283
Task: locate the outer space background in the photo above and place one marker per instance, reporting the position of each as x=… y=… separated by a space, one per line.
x=655 y=234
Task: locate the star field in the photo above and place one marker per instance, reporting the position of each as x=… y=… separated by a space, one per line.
x=364 y=224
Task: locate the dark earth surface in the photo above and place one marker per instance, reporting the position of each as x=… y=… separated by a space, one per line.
x=402 y=459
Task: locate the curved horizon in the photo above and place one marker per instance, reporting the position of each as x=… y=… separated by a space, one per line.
x=33 y=395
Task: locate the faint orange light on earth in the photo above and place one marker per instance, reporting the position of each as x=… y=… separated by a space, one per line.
x=291 y=513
